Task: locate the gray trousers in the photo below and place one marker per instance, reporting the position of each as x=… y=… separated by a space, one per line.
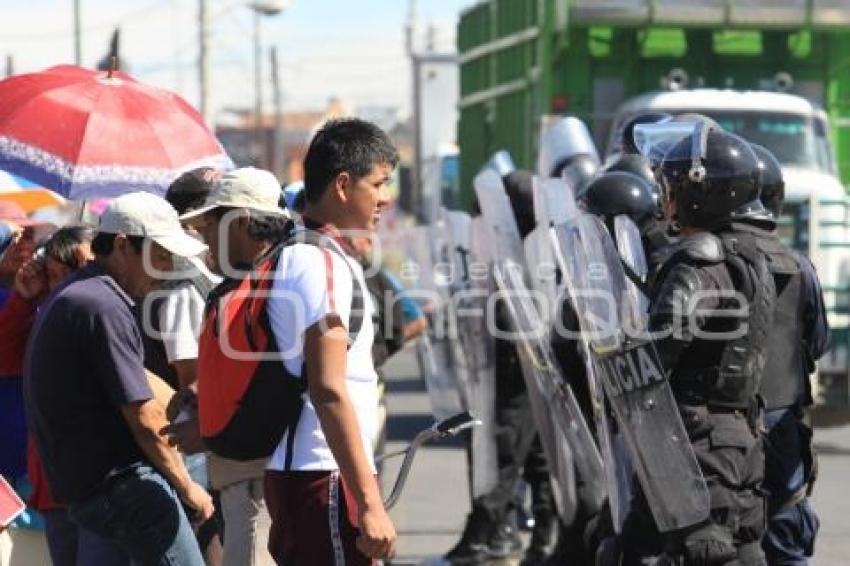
x=246 y=524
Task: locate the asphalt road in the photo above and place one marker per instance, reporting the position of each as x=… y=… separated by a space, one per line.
x=433 y=507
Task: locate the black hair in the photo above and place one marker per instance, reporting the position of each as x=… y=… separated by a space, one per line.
x=63 y=245
x=103 y=243
x=261 y=227
x=346 y=145
x=190 y=190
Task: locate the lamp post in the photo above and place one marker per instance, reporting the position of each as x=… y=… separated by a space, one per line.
x=261 y=8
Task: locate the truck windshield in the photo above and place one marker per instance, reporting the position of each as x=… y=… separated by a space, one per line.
x=795 y=140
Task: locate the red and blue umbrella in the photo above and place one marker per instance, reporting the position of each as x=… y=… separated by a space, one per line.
x=87 y=134
x=26 y=194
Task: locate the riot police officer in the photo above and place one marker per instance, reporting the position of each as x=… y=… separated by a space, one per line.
x=800 y=336
x=608 y=195
x=711 y=308
x=491 y=531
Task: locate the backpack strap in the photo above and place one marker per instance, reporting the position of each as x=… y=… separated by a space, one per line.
x=314 y=238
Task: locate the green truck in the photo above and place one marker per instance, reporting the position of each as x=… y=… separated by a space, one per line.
x=775 y=71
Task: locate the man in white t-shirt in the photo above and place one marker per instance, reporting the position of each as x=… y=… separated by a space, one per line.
x=321 y=487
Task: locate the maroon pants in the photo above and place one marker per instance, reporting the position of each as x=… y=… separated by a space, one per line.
x=314 y=520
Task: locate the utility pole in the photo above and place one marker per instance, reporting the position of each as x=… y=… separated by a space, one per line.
x=259 y=138
x=78 y=47
x=416 y=83
x=204 y=61
x=261 y=8
x=417 y=62
x=278 y=161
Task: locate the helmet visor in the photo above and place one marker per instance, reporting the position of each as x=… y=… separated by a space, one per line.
x=671 y=141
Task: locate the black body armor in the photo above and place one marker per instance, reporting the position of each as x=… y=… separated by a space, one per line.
x=783 y=383
x=725 y=333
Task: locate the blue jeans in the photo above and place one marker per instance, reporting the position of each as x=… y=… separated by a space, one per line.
x=69 y=545
x=141 y=512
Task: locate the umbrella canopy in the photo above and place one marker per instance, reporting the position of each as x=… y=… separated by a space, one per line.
x=91 y=134
x=26 y=194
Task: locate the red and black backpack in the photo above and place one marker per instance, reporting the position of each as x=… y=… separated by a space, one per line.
x=247 y=399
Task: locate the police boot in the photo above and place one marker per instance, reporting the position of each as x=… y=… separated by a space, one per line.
x=505 y=541
x=570 y=548
x=544 y=538
x=473 y=548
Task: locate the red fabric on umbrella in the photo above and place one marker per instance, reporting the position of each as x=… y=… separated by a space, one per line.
x=84 y=133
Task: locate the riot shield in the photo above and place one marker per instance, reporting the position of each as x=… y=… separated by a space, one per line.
x=499 y=217
x=435 y=363
x=630 y=248
x=471 y=345
x=502 y=163
x=442 y=379
x=632 y=377
x=550 y=391
x=507 y=250
x=617 y=462
x=553 y=204
x=562 y=138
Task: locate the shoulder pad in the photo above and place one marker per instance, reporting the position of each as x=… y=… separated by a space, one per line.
x=780 y=258
x=703 y=247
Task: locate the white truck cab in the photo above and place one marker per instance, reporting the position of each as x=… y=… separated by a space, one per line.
x=816 y=216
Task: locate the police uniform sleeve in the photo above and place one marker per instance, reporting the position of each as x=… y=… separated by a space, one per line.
x=816 y=332
x=674 y=312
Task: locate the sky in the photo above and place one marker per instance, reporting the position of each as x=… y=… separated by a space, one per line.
x=352 y=49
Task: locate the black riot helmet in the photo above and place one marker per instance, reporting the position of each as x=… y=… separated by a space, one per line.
x=772 y=183
x=627 y=144
x=578 y=170
x=636 y=164
x=614 y=193
x=712 y=175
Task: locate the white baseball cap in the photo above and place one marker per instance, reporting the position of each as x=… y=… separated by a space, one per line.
x=247 y=187
x=149 y=216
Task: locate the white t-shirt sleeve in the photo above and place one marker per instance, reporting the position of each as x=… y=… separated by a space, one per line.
x=180 y=319
x=310 y=284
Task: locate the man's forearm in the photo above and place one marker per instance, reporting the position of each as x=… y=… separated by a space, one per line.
x=342 y=432
x=149 y=421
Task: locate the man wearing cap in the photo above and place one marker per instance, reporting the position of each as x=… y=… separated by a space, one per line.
x=241 y=221
x=89 y=405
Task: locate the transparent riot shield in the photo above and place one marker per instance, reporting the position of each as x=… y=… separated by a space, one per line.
x=631 y=253
x=551 y=392
x=435 y=362
x=433 y=348
x=507 y=249
x=496 y=210
x=632 y=377
x=553 y=204
x=464 y=250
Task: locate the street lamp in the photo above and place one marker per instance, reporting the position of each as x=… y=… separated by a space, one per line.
x=261 y=8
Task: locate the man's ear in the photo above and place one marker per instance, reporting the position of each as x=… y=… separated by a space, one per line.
x=340 y=183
